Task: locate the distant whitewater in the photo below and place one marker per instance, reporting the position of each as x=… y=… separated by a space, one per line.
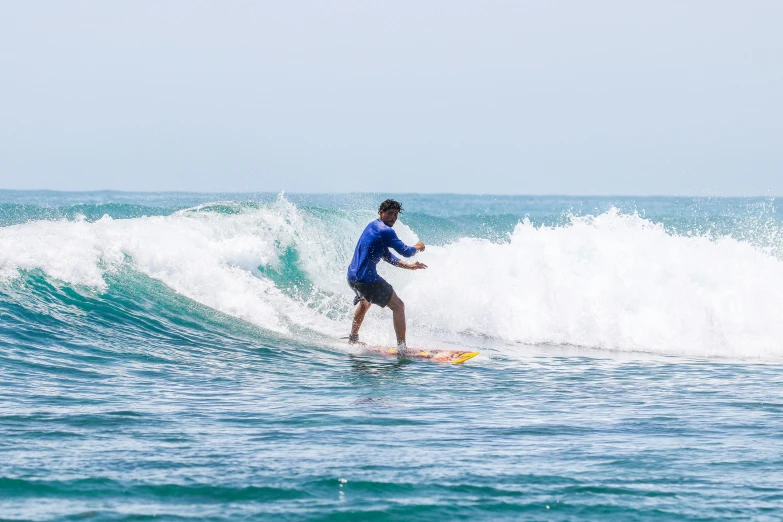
x=664 y=275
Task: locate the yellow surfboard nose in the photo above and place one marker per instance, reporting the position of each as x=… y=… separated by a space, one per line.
x=464 y=357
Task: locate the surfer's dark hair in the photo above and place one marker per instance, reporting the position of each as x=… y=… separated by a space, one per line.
x=389 y=204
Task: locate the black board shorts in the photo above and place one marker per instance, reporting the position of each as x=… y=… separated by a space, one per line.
x=378 y=293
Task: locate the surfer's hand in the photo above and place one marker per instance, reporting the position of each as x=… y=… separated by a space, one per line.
x=419 y=246
x=417 y=266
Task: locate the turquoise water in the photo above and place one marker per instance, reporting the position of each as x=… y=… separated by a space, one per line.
x=178 y=356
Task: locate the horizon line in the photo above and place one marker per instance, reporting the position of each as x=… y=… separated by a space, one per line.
x=482 y=194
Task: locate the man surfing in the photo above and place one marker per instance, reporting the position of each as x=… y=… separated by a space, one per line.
x=370 y=288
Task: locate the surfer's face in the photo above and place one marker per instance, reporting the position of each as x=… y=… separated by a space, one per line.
x=389 y=217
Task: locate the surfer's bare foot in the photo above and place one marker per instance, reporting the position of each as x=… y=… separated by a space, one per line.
x=354 y=339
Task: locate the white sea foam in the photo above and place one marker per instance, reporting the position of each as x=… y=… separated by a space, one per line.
x=612 y=281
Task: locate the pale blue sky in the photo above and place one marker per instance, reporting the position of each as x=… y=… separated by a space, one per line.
x=501 y=97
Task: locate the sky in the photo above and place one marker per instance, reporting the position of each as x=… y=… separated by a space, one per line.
x=430 y=96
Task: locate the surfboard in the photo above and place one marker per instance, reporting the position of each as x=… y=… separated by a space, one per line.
x=423 y=354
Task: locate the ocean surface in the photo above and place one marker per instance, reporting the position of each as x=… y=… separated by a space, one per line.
x=179 y=356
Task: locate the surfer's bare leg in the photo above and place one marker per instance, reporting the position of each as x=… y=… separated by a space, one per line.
x=358 y=318
x=398 y=309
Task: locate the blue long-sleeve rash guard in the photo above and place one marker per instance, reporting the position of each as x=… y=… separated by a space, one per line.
x=373 y=246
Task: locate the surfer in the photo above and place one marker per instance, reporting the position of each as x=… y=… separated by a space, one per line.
x=370 y=288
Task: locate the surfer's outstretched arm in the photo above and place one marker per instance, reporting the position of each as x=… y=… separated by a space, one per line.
x=405 y=250
x=394 y=260
x=411 y=266
x=390 y=240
